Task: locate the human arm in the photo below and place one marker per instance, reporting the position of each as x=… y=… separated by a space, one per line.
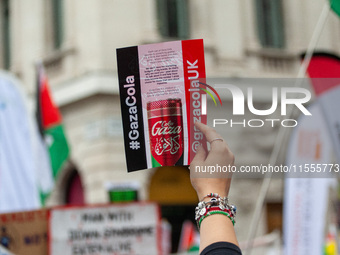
x=217 y=227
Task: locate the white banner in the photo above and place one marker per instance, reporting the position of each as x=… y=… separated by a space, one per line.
x=330 y=105
x=306 y=198
x=112 y=229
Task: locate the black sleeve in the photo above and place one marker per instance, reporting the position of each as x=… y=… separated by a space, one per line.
x=221 y=248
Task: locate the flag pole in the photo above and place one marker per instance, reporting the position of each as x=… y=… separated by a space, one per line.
x=314 y=40
x=283 y=131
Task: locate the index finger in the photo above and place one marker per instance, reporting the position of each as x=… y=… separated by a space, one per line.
x=209 y=132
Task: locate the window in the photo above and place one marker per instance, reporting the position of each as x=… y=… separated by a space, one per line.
x=57 y=7
x=5 y=34
x=54 y=24
x=270 y=23
x=173 y=18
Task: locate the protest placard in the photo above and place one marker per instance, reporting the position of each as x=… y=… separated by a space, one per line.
x=118 y=229
x=24 y=233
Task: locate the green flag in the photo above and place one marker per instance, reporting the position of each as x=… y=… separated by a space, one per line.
x=335 y=5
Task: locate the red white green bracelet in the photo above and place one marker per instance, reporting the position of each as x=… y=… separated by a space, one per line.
x=216 y=205
x=216 y=212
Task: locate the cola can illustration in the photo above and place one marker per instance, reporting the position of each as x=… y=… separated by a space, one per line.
x=165 y=123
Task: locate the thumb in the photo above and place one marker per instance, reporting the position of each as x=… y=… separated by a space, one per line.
x=200 y=156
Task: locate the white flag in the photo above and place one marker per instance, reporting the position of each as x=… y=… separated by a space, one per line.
x=4 y=251
x=18 y=167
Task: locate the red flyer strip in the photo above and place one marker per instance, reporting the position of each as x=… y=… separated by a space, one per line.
x=194 y=72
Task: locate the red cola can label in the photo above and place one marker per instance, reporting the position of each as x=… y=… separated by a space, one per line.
x=166 y=131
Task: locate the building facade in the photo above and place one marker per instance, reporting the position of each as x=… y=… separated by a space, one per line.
x=76 y=40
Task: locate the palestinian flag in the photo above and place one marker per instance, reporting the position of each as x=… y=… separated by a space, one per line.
x=190 y=238
x=335 y=5
x=50 y=126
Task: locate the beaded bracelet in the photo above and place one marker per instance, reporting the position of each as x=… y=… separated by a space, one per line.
x=217 y=196
x=216 y=212
x=216 y=205
x=222 y=203
x=230 y=211
x=212 y=195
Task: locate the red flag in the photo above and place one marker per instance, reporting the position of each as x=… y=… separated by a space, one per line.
x=324 y=65
x=50 y=115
